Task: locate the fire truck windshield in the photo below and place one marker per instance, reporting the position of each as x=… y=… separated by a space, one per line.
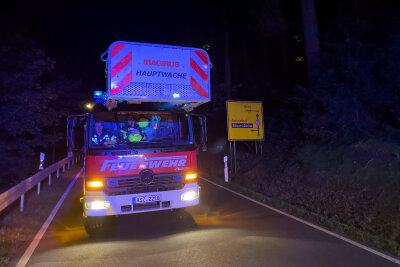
x=139 y=129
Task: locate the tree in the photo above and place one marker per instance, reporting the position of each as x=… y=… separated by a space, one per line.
x=227 y=55
x=357 y=94
x=311 y=39
x=269 y=21
x=31 y=104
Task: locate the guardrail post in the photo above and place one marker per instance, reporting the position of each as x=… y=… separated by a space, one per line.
x=49 y=178
x=22 y=203
x=68 y=164
x=72 y=160
x=64 y=168
x=38 y=188
x=58 y=173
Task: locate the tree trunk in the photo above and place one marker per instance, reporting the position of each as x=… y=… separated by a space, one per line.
x=53 y=148
x=285 y=67
x=228 y=91
x=310 y=28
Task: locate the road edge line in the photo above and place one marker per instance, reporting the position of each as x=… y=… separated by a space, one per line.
x=387 y=257
x=35 y=242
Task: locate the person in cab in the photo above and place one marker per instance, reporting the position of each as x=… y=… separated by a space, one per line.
x=130 y=133
x=101 y=137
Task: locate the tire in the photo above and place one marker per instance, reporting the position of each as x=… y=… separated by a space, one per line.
x=181 y=216
x=99 y=226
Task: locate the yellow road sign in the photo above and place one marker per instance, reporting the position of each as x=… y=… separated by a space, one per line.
x=245 y=120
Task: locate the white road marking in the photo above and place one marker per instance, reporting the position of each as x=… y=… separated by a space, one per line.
x=35 y=242
x=392 y=259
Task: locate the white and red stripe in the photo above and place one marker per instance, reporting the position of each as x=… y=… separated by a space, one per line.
x=121 y=67
x=199 y=72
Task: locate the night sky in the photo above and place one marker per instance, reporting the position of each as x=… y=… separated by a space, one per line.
x=76 y=33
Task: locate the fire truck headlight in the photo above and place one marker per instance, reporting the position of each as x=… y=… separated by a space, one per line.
x=190 y=195
x=97 y=205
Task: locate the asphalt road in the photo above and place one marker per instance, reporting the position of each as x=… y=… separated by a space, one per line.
x=223 y=230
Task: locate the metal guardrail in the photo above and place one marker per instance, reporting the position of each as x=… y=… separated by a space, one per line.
x=18 y=191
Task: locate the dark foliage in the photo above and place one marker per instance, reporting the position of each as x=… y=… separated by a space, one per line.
x=332 y=150
x=35 y=99
x=357 y=94
x=353 y=189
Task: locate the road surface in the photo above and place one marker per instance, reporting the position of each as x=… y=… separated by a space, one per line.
x=223 y=230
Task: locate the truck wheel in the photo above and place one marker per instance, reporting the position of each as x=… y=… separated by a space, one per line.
x=183 y=217
x=99 y=226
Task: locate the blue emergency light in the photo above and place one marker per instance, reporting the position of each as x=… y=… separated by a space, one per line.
x=99 y=97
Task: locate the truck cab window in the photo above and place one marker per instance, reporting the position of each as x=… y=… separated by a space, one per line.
x=139 y=129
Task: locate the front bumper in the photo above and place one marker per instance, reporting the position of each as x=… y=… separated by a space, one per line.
x=123 y=204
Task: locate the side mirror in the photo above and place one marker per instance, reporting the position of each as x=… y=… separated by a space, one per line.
x=72 y=122
x=77 y=133
x=86 y=137
x=200 y=130
x=203 y=125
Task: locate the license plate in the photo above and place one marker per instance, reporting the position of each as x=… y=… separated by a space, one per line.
x=145 y=199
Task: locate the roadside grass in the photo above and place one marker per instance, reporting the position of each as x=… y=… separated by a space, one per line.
x=18 y=229
x=10 y=240
x=352 y=189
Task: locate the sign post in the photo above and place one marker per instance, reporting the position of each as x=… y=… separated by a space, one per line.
x=245 y=123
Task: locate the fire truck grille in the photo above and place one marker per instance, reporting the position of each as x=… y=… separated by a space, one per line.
x=134 y=185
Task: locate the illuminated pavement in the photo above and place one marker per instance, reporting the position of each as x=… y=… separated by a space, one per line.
x=224 y=230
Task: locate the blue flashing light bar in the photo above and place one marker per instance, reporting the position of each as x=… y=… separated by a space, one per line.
x=99 y=97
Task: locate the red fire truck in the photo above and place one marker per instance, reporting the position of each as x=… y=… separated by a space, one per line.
x=141 y=138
